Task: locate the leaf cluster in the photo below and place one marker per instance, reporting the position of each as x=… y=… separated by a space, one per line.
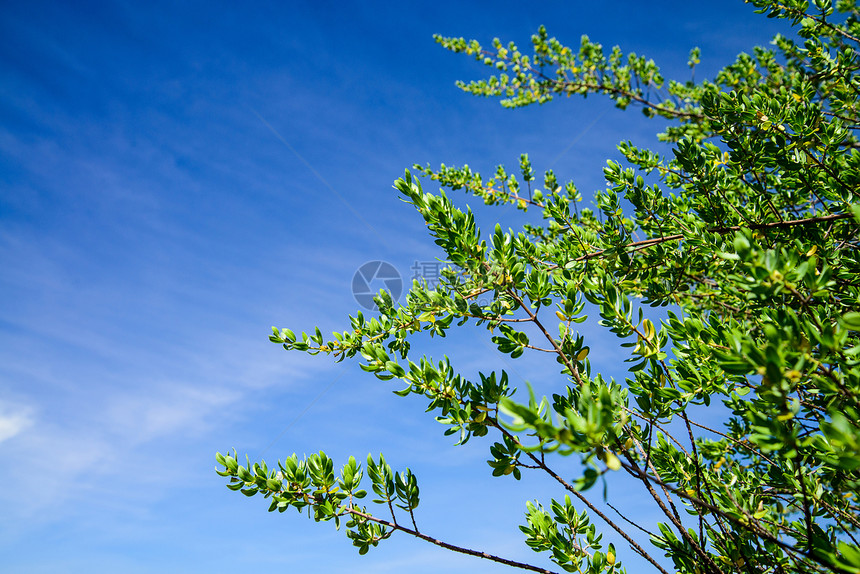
x=728 y=270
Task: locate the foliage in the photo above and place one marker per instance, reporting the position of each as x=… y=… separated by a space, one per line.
x=747 y=237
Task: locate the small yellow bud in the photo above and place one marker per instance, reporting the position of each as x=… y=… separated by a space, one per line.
x=612 y=461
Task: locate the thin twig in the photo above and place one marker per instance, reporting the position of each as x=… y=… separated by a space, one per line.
x=722 y=230
x=446 y=545
x=540 y=463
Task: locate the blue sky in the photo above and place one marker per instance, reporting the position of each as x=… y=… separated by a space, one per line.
x=178 y=177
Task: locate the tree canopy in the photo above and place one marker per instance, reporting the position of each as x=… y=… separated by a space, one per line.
x=730 y=272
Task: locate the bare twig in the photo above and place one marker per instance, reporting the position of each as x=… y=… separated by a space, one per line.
x=446 y=545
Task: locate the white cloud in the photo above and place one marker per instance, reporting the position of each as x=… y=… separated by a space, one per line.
x=150 y=413
x=13 y=421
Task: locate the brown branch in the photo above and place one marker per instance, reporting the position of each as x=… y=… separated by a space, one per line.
x=564 y=86
x=446 y=545
x=674 y=517
x=699 y=479
x=630 y=522
x=807 y=512
x=748 y=523
x=652 y=421
x=736 y=442
x=574 y=370
x=821 y=21
x=639 y=550
x=661 y=109
x=837 y=513
x=567 y=486
x=638 y=245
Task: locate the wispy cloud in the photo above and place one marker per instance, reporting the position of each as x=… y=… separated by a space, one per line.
x=14 y=419
x=149 y=413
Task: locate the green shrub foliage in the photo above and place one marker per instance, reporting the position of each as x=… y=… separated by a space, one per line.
x=746 y=235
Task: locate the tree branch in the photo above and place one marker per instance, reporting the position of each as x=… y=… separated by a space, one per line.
x=638 y=245
x=542 y=465
x=446 y=545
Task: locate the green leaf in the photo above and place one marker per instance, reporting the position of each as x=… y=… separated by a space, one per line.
x=851 y=320
x=740 y=233
x=612 y=461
